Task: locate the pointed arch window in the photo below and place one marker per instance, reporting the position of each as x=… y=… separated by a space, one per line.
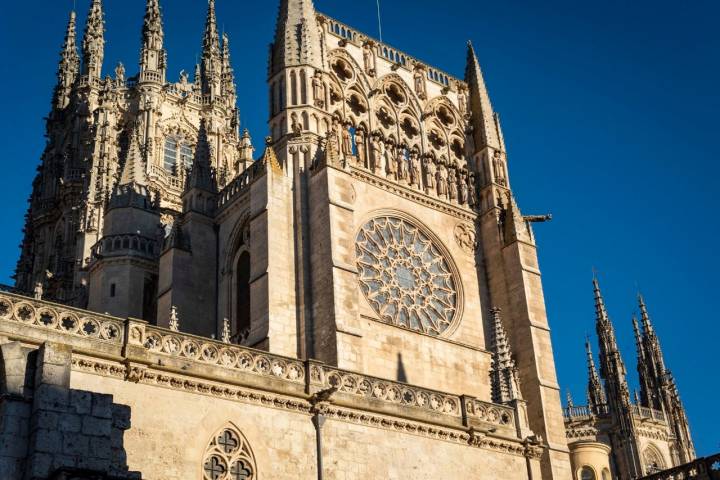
x=242 y=295
x=229 y=456
x=178 y=155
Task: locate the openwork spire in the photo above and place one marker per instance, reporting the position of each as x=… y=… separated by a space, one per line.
x=228 y=75
x=297 y=36
x=612 y=367
x=131 y=190
x=94 y=41
x=69 y=65
x=211 y=67
x=595 y=391
x=503 y=373
x=153 y=57
x=483 y=118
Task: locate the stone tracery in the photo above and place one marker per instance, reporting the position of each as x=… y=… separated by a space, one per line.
x=405 y=277
x=229 y=457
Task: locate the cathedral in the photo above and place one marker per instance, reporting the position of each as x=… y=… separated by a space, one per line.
x=361 y=299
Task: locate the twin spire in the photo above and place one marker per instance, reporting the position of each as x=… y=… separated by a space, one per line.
x=93 y=45
x=297 y=37
x=69 y=65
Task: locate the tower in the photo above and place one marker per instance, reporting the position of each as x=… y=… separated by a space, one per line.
x=123 y=272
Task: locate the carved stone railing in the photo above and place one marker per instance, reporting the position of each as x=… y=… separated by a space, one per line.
x=707 y=468
x=148 y=76
x=584 y=412
x=215 y=353
x=140 y=347
x=348 y=34
x=384 y=390
x=60 y=318
x=116 y=245
x=240 y=184
x=644 y=412
x=176 y=182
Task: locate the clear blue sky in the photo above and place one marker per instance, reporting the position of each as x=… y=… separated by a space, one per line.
x=610 y=114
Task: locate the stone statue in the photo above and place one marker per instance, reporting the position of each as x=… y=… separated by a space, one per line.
x=38 y=292
x=462 y=102
x=362 y=159
x=415 y=169
x=120 y=73
x=376 y=147
x=390 y=165
x=452 y=185
x=420 y=84
x=403 y=172
x=429 y=174
x=369 y=59
x=463 y=191
x=441 y=179
x=295 y=124
x=472 y=193
x=347 y=149
x=318 y=89
x=183 y=78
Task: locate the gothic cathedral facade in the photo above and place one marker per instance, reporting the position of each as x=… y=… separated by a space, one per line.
x=363 y=300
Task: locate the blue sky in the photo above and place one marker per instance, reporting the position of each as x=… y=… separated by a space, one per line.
x=609 y=110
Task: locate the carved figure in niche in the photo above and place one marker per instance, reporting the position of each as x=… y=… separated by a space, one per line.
x=415 y=169
x=318 y=89
x=499 y=169
x=295 y=124
x=429 y=174
x=462 y=102
x=362 y=159
x=369 y=59
x=346 y=141
x=403 y=171
x=452 y=185
x=390 y=165
x=441 y=179
x=376 y=147
x=120 y=73
x=472 y=193
x=463 y=190
x=420 y=84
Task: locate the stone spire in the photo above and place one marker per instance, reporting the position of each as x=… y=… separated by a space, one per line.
x=133 y=171
x=93 y=45
x=646 y=389
x=595 y=391
x=211 y=64
x=69 y=65
x=201 y=174
x=131 y=190
x=612 y=367
x=504 y=378
x=153 y=57
x=483 y=119
x=297 y=37
x=228 y=75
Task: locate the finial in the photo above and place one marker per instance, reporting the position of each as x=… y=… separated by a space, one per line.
x=174 y=320
x=568 y=396
x=226 y=331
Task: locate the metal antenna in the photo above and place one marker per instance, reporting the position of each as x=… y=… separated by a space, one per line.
x=379 y=20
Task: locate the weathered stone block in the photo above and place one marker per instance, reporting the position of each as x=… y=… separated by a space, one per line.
x=75 y=444
x=47 y=441
x=70 y=423
x=46 y=420
x=121 y=417
x=102 y=406
x=100 y=448
x=40 y=466
x=53 y=365
x=81 y=401
x=51 y=397
x=96 y=427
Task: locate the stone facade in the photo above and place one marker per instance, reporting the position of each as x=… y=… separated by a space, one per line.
x=362 y=300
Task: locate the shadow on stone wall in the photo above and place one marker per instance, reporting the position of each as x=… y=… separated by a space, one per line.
x=50 y=431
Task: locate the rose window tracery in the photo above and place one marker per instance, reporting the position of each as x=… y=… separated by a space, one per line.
x=405 y=277
x=229 y=457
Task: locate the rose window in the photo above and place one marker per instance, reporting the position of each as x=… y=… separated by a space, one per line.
x=405 y=277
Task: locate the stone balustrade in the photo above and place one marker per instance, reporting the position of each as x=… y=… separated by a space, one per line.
x=707 y=468
x=240 y=184
x=112 y=245
x=141 y=347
